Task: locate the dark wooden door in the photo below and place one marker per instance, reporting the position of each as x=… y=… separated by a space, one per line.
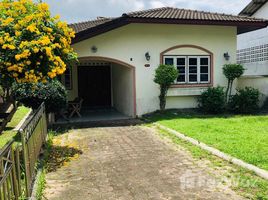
x=94 y=85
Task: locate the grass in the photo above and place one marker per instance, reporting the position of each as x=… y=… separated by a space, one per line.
x=41 y=183
x=244 y=137
x=54 y=157
x=8 y=134
x=244 y=182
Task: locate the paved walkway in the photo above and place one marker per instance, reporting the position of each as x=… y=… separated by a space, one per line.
x=126 y=163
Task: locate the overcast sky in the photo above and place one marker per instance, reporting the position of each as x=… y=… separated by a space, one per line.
x=82 y=10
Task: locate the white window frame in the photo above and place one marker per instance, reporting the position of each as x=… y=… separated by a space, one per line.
x=197 y=68
x=187 y=73
x=209 y=69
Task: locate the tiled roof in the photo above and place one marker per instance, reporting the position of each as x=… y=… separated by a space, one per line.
x=81 y=26
x=252 y=7
x=166 y=15
x=183 y=14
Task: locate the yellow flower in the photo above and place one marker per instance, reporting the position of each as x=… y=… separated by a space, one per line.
x=17 y=33
x=45 y=41
x=51 y=75
x=72 y=34
x=66 y=51
x=36 y=50
x=48 y=51
x=8 y=46
x=17 y=57
x=43 y=7
x=57 y=17
x=7 y=21
x=32 y=28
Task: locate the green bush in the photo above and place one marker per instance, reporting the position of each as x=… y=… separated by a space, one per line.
x=245 y=101
x=53 y=93
x=232 y=72
x=165 y=75
x=212 y=100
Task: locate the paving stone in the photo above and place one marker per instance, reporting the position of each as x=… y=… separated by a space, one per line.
x=131 y=163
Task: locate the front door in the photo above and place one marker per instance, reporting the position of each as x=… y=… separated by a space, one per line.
x=94 y=86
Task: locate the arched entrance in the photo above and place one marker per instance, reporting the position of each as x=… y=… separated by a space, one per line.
x=107 y=82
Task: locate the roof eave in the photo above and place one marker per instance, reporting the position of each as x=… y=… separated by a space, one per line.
x=242 y=26
x=251 y=8
x=97 y=30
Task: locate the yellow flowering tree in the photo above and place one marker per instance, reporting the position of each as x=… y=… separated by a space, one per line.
x=34 y=46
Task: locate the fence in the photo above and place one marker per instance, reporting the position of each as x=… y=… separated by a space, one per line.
x=14 y=160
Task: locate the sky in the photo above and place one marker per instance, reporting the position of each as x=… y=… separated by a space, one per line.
x=83 y=10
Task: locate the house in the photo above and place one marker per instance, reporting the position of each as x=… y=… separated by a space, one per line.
x=118 y=57
x=253 y=49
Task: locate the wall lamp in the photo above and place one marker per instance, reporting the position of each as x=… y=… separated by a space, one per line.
x=226 y=56
x=94 y=49
x=147 y=56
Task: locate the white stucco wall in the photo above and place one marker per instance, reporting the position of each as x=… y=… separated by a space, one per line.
x=73 y=93
x=252 y=39
x=260 y=83
x=255 y=71
x=122 y=89
x=131 y=42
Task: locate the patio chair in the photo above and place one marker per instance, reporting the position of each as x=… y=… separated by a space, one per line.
x=75 y=107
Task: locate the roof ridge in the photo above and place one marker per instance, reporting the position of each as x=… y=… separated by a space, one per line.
x=145 y=11
x=94 y=20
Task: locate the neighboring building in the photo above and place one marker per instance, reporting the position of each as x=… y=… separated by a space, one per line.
x=118 y=57
x=253 y=49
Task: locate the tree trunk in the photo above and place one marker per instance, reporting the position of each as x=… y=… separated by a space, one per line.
x=162 y=97
x=231 y=86
x=227 y=91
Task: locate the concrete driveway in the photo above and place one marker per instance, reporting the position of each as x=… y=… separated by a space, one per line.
x=130 y=163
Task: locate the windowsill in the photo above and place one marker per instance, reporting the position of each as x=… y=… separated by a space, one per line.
x=186 y=91
x=191 y=85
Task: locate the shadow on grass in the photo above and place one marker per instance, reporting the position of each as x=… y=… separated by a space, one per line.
x=58 y=156
x=190 y=114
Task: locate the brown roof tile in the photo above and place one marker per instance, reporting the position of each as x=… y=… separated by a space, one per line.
x=166 y=15
x=185 y=14
x=81 y=26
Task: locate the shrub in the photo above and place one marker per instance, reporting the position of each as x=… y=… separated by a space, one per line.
x=34 y=46
x=53 y=93
x=245 y=101
x=232 y=72
x=212 y=100
x=165 y=75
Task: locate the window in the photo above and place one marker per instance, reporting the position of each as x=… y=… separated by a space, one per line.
x=68 y=78
x=192 y=69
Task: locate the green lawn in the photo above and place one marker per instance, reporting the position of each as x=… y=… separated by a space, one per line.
x=244 y=137
x=8 y=133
